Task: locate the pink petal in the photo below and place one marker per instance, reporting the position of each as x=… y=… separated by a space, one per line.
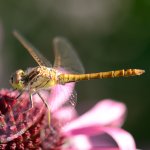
x=76 y=143
x=123 y=139
x=59 y=95
x=65 y=114
x=106 y=112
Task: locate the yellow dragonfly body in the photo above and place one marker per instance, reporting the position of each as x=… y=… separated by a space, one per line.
x=42 y=77
x=45 y=76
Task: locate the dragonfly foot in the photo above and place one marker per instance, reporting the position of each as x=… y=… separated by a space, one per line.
x=27 y=110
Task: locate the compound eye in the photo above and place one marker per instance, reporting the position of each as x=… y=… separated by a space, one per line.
x=20 y=72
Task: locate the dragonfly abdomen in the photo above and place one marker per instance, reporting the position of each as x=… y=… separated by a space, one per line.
x=65 y=78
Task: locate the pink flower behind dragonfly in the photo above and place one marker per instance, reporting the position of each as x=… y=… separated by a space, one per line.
x=103 y=121
x=99 y=128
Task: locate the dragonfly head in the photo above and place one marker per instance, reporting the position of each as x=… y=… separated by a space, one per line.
x=17 y=79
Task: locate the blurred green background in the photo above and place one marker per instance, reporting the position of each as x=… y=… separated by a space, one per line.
x=107 y=34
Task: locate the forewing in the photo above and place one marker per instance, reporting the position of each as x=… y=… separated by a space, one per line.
x=38 y=57
x=66 y=57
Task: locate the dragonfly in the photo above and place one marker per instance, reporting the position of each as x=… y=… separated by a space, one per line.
x=45 y=76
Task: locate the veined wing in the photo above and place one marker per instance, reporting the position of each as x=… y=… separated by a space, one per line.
x=38 y=57
x=66 y=57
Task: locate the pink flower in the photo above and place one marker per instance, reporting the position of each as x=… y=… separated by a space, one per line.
x=103 y=121
x=99 y=128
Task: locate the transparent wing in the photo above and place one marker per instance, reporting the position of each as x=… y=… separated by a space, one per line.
x=73 y=99
x=62 y=95
x=66 y=57
x=38 y=57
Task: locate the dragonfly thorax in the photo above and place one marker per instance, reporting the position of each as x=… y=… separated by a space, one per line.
x=41 y=77
x=17 y=80
x=34 y=79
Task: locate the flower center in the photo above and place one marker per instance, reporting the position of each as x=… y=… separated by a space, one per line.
x=28 y=130
x=52 y=138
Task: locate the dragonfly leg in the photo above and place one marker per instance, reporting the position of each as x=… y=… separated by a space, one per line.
x=13 y=98
x=31 y=103
x=43 y=100
x=47 y=106
x=19 y=95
